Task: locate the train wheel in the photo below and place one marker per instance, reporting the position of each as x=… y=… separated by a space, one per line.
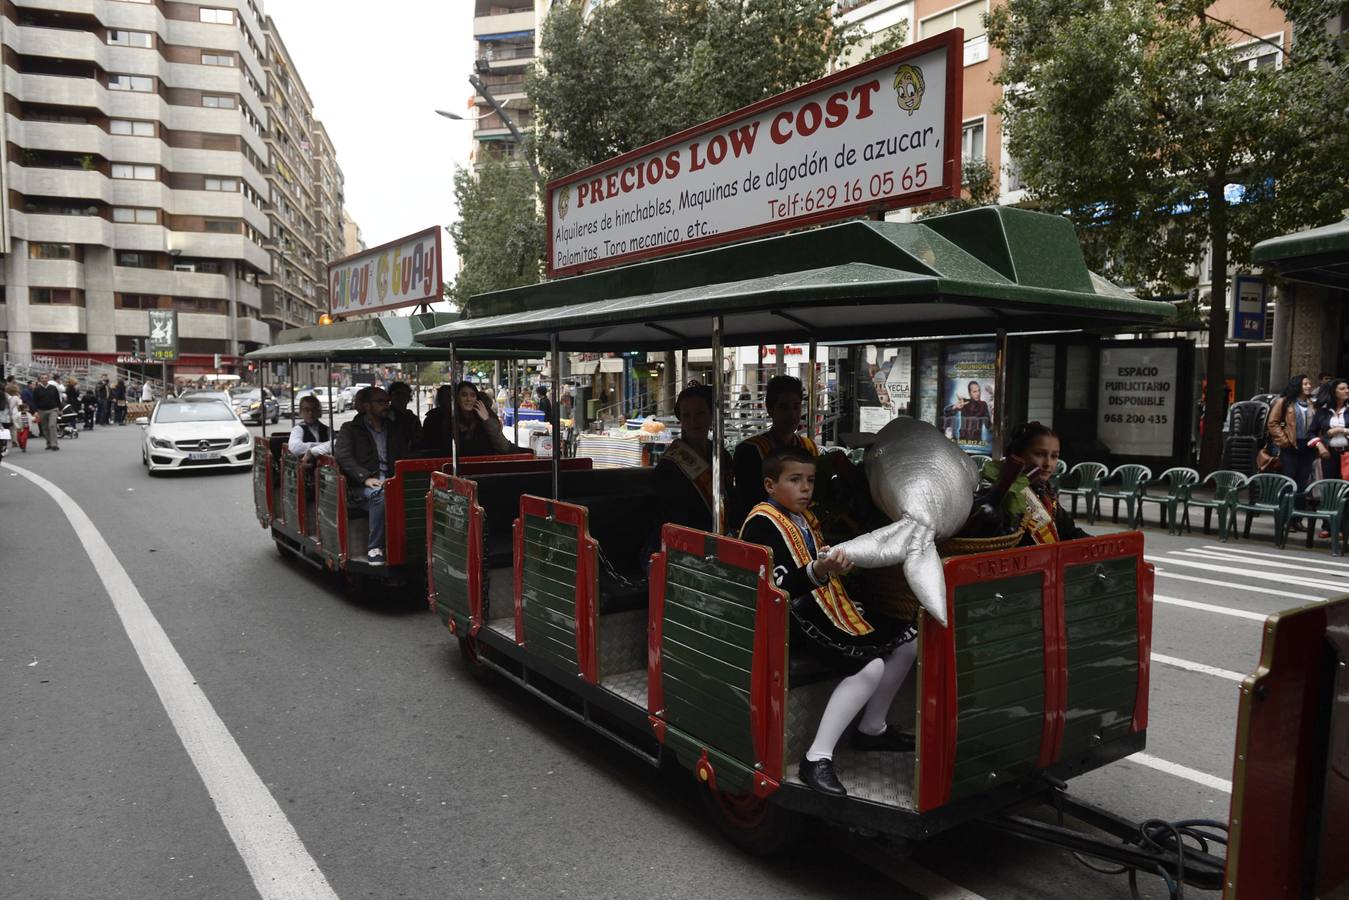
x=468 y=649
x=751 y=823
x=286 y=552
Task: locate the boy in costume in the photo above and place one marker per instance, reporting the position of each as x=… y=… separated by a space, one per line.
x=783 y=399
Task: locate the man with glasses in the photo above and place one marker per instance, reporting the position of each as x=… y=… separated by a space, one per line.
x=366 y=449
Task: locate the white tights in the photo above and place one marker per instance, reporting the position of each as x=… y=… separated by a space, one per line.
x=873 y=688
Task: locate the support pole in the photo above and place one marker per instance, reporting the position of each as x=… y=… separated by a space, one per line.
x=515 y=398
x=290 y=374
x=811 y=398
x=718 y=434
x=262 y=398
x=555 y=419
x=1000 y=402
x=329 y=395
x=454 y=418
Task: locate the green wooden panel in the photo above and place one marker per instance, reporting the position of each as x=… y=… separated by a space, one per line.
x=260 y=485
x=707 y=649
x=999 y=637
x=548 y=590
x=415 y=486
x=290 y=499
x=328 y=479
x=449 y=555
x=1101 y=625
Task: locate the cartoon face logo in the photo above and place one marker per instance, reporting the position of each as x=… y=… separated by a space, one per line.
x=909 y=88
x=563 y=201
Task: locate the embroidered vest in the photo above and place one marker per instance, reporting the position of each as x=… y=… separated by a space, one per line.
x=765 y=444
x=314 y=435
x=1039 y=519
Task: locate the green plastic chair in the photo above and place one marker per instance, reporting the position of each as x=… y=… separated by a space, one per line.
x=1178 y=480
x=1326 y=501
x=1132 y=479
x=1054 y=479
x=1226 y=484
x=1270 y=493
x=1083 y=480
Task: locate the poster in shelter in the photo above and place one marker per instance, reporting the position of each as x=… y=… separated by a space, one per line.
x=967 y=396
x=892 y=381
x=1137 y=400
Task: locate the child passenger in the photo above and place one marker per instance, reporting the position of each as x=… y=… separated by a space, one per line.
x=826 y=625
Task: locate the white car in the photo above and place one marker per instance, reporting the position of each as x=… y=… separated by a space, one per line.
x=183 y=433
x=326 y=398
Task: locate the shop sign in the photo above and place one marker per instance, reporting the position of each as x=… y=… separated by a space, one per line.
x=1249 y=308
x=400 y=273
x=163 y=340
x=1136 y=403
x=967 y=396
x=880 y=135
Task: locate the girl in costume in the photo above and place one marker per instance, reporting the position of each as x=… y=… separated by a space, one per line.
x=1023 y=494
x=683 y=477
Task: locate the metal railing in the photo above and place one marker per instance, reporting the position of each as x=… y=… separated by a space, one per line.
x=28 y=366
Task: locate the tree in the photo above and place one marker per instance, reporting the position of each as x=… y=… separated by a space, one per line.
x=980 y=185
x=1148 y=126
x=499 y=235
x=633 y=71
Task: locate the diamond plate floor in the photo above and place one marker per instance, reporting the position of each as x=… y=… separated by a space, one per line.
x=631 y=686
x=881 y=777
x=504 y=626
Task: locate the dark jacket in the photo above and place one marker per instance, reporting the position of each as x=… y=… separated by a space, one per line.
x=102 y=391
x=357 y=455
x=46 y=397
x=475 y=441
x=681 y=503
x=119 y=391
x=749 y=457
x=409 y=425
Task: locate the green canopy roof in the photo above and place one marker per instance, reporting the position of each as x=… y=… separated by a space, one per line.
x=1319 y=255
x=969 y=272
x=359 y=340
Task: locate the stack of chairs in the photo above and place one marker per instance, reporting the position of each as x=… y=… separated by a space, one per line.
x=1245 y=435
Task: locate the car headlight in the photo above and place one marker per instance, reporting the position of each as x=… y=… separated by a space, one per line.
x=254 y=405
x=240 y=439
x=161 y=443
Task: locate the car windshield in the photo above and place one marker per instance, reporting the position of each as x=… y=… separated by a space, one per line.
x=193 y=411
x=251 y=395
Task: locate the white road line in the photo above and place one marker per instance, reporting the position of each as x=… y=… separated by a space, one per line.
x=1198 y=667
x=1170 y=768
x=281 y=867
x=1246 y=573
x=1295 y=567
x=1264 y=592
x=1209 y=607
x=1283 y=557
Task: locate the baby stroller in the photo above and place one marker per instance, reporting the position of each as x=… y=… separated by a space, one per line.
x=70 y=421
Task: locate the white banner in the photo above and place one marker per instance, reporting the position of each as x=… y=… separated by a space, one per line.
x=400 y=273
x=876 y=136
x=1136 y=402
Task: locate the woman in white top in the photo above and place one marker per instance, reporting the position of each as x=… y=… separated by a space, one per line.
x=10 y=402
x=310 y=438
x=1329 y=432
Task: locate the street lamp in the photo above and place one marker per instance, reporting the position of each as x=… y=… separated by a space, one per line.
x=500 y=110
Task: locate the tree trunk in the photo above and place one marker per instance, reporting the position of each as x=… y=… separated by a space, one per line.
x=1215 y=396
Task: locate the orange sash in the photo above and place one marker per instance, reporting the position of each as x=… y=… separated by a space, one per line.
x=764 y=444
x=1039 y=520
x=833 y=598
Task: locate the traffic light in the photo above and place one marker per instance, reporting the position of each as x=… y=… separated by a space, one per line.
x=217 y=360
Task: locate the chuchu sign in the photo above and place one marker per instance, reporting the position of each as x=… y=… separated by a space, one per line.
x=880 y=135
x=399 y=273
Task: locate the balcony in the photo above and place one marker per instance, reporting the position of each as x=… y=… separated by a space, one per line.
x=80 y=184
x=56 y=273
x=253 y=330
x=511 y=23
x=56 y=229
x=65 y=319
x=131 y=280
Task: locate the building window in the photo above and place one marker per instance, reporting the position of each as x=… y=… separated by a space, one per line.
x=972 y=141
x=139 y=83
x=135 y=215
x=134 y=260
x=217 y=59
x=1265 y=54
x=217 y=101
x=221 y=226
x=131 y=38
x=55 y=251
x=212 y=305
x=136 y=301
x=969 y=17
x=216 y=16
x=222 y=184
x=133 y=127
x=56 y=296
x=137 y=173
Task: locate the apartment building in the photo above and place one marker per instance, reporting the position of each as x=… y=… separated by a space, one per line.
x=352 y=242
x=507 y=34
x=137 y=159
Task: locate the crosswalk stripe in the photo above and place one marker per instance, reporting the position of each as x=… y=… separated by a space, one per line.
x=1282 y=557
x=1264 y=592
x=1209 y=607
x=1170 y=768
x=1247 y=573
x=1189 y=666
x=1295 y=567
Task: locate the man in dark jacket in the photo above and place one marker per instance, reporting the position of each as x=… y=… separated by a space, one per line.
x=47 y=408
x=366 y=449
x=103 y=397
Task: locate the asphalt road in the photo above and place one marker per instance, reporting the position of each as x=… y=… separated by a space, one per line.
x=403 y=777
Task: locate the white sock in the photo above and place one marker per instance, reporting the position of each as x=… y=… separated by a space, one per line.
x=848 y=698
x=897 y=667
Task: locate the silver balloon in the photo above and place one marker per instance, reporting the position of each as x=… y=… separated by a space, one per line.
x=925 y=483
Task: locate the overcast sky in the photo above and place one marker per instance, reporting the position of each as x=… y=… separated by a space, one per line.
x=376 y=72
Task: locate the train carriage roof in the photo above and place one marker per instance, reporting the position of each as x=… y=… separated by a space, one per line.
x=1318 y=255
x=967 y=272
x=358 y=340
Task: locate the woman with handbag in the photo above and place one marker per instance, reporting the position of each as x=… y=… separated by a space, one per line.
x=1290 y=428
x=1330 y=427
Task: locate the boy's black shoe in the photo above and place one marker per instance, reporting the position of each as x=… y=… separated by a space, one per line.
x=889 y=740
x=820 y=776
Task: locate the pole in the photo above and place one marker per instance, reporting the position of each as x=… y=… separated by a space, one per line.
x=515 y=132
x=1000 y=402
x=262 y=399
x=718 y=435
x=811 y=397
x=329 y=396
x=454 y=415
x=555 y=417
x=515 y=397
x=290 y=374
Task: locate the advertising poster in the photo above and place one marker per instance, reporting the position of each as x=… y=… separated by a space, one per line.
x=400 y=273
x=929 y=391
x=1137 y=400
x=163 y=340
x=892 y=382
x=967 y=396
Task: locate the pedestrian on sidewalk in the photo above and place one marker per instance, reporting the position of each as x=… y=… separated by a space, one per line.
x=47 y=407
x=147 y=393
x=10 y=411
x=103 y=397
x=1329 y=428
x=119 y=402
x=1290 y=428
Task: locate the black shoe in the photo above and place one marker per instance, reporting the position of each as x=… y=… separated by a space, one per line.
x=820 y=776
x=57 y=447
x=888 y=741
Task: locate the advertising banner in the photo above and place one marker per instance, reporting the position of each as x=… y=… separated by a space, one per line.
x=1248 y=309
x=967 y=392
x=876 y=136
x=163 y=340
x=892 y=380
x=1137 y=400
x=401 y=273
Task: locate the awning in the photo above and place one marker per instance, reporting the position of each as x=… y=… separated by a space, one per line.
x=1318 y=255
x=375 y=339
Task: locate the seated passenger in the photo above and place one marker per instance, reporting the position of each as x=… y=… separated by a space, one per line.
x=310 y=437
x=1023 y=496
x=366 y=449
x=825 y=623
x=782 y=400
x=683 y=477
x=465 y=416
x=400 y=395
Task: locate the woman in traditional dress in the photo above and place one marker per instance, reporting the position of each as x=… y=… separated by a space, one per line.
x=683 y=477
x=1028 y=499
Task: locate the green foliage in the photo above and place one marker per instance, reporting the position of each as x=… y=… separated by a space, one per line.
x=499 y=235
x=633 y=71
